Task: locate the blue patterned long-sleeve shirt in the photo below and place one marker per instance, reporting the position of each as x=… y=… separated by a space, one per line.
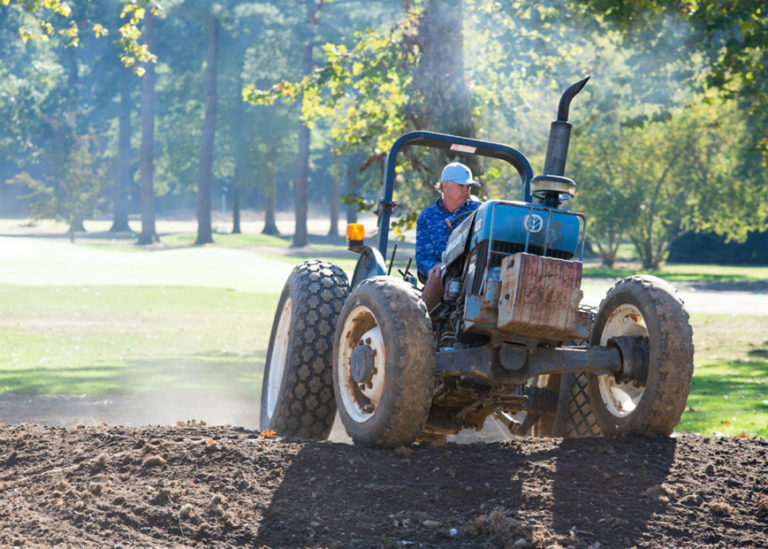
x=433 y=228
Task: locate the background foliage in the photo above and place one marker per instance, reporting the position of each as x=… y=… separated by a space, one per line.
x=670 y=135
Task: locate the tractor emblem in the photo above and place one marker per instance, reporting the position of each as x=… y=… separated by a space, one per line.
x=533 y=223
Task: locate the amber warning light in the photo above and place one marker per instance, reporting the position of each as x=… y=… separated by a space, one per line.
x=355 y=234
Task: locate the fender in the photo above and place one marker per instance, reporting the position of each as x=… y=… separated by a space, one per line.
x=370 y=264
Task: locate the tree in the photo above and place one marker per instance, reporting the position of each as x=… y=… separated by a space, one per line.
x=350 y=89
x=301 y=180
x=732 y=35
x=335 y=200
x=75 y=192
x=148 y=233
x=123 y=163
x=654 y=181
x=442 y=103
x=205 y=173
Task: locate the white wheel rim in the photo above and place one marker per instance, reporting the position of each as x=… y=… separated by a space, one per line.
x=361 y=401
x=621 y=399
x=277 y=359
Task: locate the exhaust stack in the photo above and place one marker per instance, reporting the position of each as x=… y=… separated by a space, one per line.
x=552 y=188
x=560 y=132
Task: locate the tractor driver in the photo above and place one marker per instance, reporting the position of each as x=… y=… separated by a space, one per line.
x=435 y=224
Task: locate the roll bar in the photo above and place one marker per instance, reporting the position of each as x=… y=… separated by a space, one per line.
x=451 y=143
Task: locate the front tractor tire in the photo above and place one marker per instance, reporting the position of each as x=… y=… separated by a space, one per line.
x=297 y=388
x=384 y=363
x=648 y=308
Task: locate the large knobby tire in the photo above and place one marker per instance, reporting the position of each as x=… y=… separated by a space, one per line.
x=650 y=308
x=573 y=416
x=384 y=363
x=297 y=388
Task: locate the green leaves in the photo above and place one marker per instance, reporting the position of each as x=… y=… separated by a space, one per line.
x=133 y=53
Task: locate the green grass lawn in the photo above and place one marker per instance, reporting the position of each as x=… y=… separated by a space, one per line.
x=81 y=318
x=730 y=380
x=116 y=339
x=686 y=273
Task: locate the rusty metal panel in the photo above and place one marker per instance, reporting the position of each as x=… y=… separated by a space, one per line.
x=479 y=314
x=539 y=296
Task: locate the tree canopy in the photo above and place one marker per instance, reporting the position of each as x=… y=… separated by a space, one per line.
x=669 y=136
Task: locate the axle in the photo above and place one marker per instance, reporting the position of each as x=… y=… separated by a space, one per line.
x=624 y=357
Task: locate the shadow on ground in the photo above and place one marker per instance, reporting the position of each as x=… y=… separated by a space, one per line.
x=423 y=495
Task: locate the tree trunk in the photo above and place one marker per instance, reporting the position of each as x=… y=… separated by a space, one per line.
x=242 y=139
x=76 y=226
x=236 y=209
x=439 y=78
x=301 y=182
x=351 y=190
x=147 y=162
x=270 y=199
x=335 y=184
x=123 y=167
x=205 y=174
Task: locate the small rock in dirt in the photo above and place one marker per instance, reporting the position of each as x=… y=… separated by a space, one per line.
x=691 y=499
x=710 y=470
x=99 y=463
x=162 y=497
x=186 y=511
x=153 y=461
x=429 y=523
x=721 y=507
x=660 y=492
x=522 y=543
x=119 y=500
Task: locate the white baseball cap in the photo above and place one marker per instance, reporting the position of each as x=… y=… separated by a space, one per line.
x=458 y=173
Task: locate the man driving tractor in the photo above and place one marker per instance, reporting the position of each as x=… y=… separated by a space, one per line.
x=436 y=222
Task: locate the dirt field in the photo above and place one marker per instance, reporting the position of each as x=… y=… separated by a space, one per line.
x=194 y=485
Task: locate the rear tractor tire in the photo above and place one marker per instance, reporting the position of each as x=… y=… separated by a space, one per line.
x=573 y=417
x=384 y=363
x=648 y=308
x=297 y=387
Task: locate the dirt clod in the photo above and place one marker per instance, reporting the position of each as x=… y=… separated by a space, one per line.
x=721 y=507
x=153 y=461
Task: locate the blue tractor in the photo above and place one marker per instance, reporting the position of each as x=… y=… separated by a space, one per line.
x=508 y=339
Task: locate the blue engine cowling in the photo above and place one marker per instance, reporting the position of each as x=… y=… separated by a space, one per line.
x=499 y=228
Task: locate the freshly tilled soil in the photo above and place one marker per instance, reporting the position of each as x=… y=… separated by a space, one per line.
x=193 y=485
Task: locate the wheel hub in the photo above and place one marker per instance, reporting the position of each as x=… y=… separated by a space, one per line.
x=361 y=372
x=634 y=358
x=623 y=325
x=361 y=364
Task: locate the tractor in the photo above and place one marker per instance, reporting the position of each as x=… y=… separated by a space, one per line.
x=509 y=338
